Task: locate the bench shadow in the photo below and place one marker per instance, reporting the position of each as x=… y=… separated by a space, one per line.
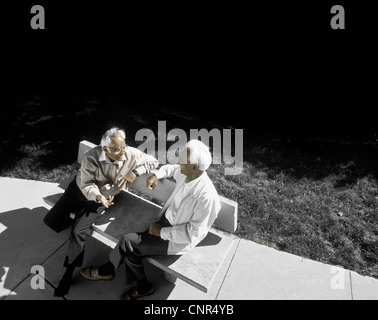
x=24 y=242
x=210 y=240
x=52 y=199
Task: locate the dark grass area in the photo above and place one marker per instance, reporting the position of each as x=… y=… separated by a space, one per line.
x=309 y=192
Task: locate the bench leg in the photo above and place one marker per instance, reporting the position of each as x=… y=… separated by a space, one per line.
x=170 y=277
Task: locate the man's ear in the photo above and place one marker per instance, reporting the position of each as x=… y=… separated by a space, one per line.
x=195 y=167
x=104 y=148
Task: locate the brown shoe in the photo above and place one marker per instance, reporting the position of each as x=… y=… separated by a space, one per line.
x=133 y=293
x=92 y=274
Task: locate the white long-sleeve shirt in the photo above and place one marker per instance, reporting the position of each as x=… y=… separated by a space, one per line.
x=191 y=210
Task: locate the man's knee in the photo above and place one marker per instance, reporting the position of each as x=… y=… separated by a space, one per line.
x=57 y=220
x=81 y=232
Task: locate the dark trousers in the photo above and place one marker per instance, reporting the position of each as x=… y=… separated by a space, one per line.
x=133 y=247
x=86 y=212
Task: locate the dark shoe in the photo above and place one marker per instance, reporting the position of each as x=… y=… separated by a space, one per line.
x=63 y=288
x=92 y=274
x=133 y=293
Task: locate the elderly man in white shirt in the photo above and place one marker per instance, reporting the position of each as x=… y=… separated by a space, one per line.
x=104 y=172
x=183 y=222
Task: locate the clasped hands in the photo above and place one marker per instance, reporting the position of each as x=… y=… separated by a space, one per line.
x=124 y=183
x=105 y=202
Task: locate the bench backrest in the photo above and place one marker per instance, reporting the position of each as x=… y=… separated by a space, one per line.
x=227 y=217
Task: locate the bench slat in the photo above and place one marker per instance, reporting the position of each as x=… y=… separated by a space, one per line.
x=84 y=146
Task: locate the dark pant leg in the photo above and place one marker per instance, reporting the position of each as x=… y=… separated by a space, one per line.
x=133 y=247
x=131 y=250
x=76 y=247
x=72 y=200
x=58 y=219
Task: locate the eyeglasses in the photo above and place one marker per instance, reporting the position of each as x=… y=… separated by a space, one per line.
x=117 y=150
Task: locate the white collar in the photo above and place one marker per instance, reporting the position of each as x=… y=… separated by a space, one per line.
x=193 y=182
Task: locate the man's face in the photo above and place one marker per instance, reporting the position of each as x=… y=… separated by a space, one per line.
x=116 y=149
x=185 y=166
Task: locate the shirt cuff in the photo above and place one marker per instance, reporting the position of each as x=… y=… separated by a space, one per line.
x=164 y=232
x=136 y=172
x=160 y=174
x=93 y=196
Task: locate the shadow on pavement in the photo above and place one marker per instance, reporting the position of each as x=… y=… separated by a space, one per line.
x=24 y=242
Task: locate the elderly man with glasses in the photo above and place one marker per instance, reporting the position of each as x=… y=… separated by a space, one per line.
x=105 y=171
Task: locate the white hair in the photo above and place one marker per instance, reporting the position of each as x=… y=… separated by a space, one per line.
x=106 y=139
x=199 y=153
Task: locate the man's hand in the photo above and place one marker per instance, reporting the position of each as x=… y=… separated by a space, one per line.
x=105 y=202
x=127 y=181
x=154 y=229
x=151 y=182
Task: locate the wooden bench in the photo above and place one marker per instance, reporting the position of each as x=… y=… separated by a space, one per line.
x=200 y=266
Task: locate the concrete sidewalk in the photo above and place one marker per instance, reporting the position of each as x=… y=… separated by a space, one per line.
x=250 y=271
